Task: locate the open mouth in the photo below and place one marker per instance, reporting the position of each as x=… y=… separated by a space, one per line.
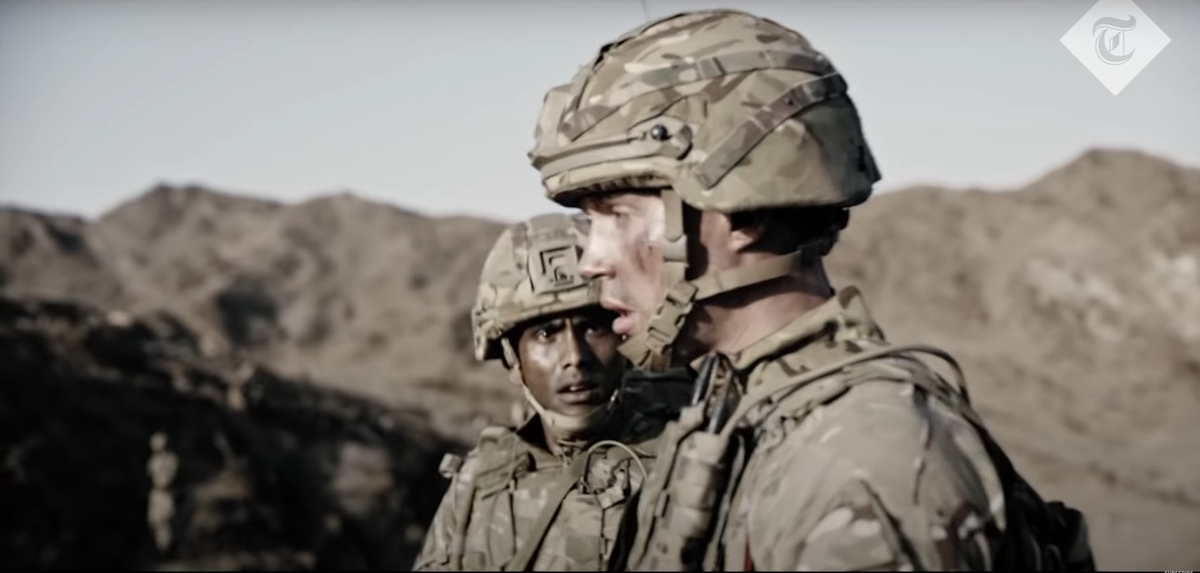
x=581 y=393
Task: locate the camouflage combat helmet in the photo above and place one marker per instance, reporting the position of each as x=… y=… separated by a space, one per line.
x=718 y=109
x=533 y=271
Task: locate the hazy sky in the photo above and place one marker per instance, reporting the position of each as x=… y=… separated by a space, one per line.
x=431 y=105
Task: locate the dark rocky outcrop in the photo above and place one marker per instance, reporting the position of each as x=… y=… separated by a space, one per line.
x=270 y=473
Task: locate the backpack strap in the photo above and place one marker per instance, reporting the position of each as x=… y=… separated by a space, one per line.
x=800 y=393
x=766 y=393
x=1039 y=535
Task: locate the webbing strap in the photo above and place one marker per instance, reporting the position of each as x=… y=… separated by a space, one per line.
x=580 y=80
x=764 y=393
x=635 y=146
x=714 y=557
x=764 y=120
x=649 y=348
x=458 y=543
x=618 y=558
x=524 y=557
x=674 y=243
x=713 y=284
x=686 y=72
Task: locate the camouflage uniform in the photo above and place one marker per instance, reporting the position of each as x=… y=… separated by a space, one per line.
x=512 y=504
x=822 y=446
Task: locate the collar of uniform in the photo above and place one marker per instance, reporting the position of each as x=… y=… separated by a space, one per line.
x=844 y=315
x=531 y=435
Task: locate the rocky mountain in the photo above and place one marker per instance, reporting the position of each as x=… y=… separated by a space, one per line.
x=1073 y=303
x=126 y=449
x=368 y=297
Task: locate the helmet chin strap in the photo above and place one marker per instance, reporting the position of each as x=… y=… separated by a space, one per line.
x=651 y=349
x=563 y=426
x=568 y=427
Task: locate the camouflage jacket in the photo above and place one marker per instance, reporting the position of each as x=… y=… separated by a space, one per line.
x=875 y=466
x=503 y=488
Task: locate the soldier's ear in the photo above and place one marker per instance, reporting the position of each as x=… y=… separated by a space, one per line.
x=746 y=229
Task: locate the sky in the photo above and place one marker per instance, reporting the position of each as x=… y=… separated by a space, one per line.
x=431 y=105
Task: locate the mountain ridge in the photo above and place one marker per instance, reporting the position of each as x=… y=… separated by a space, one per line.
x=1072 y=302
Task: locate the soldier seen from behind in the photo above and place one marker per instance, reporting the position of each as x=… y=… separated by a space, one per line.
x=549 y=494
x=717 y=154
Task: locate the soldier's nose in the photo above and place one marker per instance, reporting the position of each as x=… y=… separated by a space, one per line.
x=591 y=265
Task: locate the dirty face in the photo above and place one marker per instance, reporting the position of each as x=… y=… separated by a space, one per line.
x=624 y=253
x=570 y=362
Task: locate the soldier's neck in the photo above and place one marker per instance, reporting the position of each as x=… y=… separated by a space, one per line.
x=568 y=447
x=732 y=322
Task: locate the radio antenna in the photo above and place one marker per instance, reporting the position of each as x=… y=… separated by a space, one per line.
x=646 y=11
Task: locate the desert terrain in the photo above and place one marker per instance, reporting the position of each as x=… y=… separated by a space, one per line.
x=1073 y=303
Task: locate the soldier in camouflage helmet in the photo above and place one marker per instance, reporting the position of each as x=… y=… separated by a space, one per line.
x=549 y=495
x=716 y=154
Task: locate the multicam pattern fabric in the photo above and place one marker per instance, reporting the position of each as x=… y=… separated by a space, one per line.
x=719 y=110
x=731 y=111
x=882 y=466
x=501 y=489
x=531 y=271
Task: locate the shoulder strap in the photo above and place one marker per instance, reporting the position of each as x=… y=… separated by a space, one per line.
x=554 y=500
x=618 y=557
x=714 y=557
x=462 y=517
x=763 y=394
x=490 y=462
x=1059 y=532
x=500 y=452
